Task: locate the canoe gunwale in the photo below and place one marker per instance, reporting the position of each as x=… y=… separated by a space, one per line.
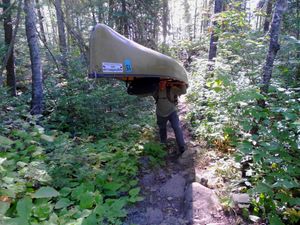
x=128 y=76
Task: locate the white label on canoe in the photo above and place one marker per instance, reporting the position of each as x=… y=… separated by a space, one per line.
x=112 y=67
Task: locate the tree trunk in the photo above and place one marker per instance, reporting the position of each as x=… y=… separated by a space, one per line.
x=268 y=16
x=36 y=66
x=274 y=45
x=40 y=16
x=53 y=29
x=78 y=38
x=214 y=38
x=187 y=19
x=100 y=11
x=10 y=64
x=124 y=19
x=110 y=13
x=62 y=37
x=93 y=12
x=298 y=21
x=195 y=18
x=165 y=20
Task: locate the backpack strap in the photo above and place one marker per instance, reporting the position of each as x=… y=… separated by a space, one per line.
x=175 y=100
x=156 y=96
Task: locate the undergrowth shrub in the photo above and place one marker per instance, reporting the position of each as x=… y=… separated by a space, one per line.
x=78 y=163
x=266 y=141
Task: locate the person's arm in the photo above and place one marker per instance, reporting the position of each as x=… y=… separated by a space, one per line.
x=179 y=89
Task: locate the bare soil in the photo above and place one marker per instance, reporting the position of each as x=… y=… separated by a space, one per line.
x=176 y=193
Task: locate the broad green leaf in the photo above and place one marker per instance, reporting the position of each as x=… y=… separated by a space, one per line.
x=263 y=188
x=246 y=147
x=297 y=123
x=284 y=197
x=275 y=220
x=62 y=203
x=65 y=191
x=118 y=204
x=98 y=198
x=86 y=200
x=105 y=156
x=133 y=182
x=9 y=192
x=24 y=207
x=90 y=220
x=78 y=191
x=15 y=221
x=53 y=220
x=290 y=116
x=46 y=192
x=112 y=186
x=4 y=141
x=283 y=183
x=116 y=210
x=84 y=187
x=42 y=209
x=134 y=191
x=294 y=201
x=100 y=209
x=134 y=199
x=4 y=206
x=47 y=138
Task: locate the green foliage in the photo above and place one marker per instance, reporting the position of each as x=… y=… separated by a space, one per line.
x=81 y=106
x=225 y=110
x=45 y=192
x=155 y=152
x=79 y=163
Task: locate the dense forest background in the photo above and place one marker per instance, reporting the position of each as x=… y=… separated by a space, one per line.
x=69 y=144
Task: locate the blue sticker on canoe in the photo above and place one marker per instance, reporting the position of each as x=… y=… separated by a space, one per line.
x=128 y=65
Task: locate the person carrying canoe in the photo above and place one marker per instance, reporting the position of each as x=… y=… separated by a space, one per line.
x=166 y=98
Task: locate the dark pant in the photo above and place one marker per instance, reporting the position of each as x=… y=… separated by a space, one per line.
x=174 y=120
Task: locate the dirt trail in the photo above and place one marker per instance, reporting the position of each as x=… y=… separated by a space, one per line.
x=172 y=195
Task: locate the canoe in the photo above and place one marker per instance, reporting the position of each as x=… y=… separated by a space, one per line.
x=112 y=55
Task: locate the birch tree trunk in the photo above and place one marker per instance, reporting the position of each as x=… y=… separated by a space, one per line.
x=10 y=64
x=62 y=37
x=213 y=37
x=36 y=66
x=274 y=46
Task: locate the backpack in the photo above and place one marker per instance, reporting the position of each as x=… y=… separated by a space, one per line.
x=175 y=100
x=142 y=86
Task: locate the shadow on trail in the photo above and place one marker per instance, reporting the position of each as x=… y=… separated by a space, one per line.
x=171 y=194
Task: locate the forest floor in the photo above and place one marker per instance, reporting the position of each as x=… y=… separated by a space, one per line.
x=186 y=189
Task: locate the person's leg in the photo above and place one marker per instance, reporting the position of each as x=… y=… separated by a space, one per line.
x=177 y=130
x=162 y=124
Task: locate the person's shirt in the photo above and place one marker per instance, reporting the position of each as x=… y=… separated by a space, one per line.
x=165 y=106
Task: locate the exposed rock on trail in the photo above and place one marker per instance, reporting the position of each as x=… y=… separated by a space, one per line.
x=172 y=196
